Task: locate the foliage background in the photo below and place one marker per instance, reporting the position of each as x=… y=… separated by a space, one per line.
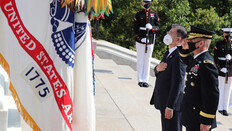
x=209 y=14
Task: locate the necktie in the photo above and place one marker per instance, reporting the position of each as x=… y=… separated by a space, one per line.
x=165 y=55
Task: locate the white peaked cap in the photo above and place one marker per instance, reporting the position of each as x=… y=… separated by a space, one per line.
x=147 y=0
x=227 y=30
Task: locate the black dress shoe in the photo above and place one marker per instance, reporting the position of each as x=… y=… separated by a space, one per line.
x=145 y=84
x=225 y=113
x=220 y=111
x=140 y=84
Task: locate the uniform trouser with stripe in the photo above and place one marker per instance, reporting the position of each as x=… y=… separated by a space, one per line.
x=143 y=61
x=224 y=93
x=231 y=99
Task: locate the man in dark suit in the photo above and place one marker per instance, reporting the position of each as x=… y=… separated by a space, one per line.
x=201 y=94
x=168 y=92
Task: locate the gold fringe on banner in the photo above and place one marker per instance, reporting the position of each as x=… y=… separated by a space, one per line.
x=94 y=7
x=23 y=112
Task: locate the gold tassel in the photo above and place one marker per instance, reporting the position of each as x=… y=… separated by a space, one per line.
x=95 y=7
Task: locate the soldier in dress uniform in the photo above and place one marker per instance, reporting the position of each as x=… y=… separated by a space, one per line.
x=222 y=57
x=146 y=24
x=201 y=94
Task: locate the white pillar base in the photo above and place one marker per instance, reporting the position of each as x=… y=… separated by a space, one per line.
x=3 y=120
x=24 y=126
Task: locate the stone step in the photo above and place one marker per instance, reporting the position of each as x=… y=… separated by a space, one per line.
x=224 y=123
x=142 y=118
x=14 y=119
x=109 y=114
x=133 y=74
x=150 y=118
x=14 y=129
x=122 y=98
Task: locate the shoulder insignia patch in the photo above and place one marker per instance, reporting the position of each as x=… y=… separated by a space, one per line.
x=209 y=61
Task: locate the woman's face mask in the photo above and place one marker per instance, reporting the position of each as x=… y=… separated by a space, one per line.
x=167 y=39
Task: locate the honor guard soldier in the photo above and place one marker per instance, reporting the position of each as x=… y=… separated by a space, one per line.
x=146 y=24
x=201 y=92
x=222 y=57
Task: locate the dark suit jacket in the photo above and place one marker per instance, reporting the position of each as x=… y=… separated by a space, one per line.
x=169 y=86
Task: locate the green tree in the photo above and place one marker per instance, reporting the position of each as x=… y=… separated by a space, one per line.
x=212 y=15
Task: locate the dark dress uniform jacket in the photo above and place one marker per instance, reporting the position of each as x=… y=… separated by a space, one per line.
x=221 y=49
x=201 y=94
x=169 y=84
x=140 y=20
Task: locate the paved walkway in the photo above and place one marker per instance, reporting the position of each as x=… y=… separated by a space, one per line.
x=124 y=106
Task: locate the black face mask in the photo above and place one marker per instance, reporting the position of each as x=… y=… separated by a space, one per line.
x=192 y=46
x=147 y=6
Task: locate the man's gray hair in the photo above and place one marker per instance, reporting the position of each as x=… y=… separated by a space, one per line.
x=181 y=31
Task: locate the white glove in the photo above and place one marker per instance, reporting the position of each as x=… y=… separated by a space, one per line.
x=228 y=57
x=148 y=26
x=224 y=70
x=144 y=40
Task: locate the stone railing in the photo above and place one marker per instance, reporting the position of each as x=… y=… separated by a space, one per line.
x=120 y=55
x=4 y=84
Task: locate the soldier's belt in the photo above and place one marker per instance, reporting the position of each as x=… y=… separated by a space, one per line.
x=221 y=58
x=142 y=28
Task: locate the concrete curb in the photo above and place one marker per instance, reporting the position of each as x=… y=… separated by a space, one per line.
x=120 y=55
x=3 y=111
